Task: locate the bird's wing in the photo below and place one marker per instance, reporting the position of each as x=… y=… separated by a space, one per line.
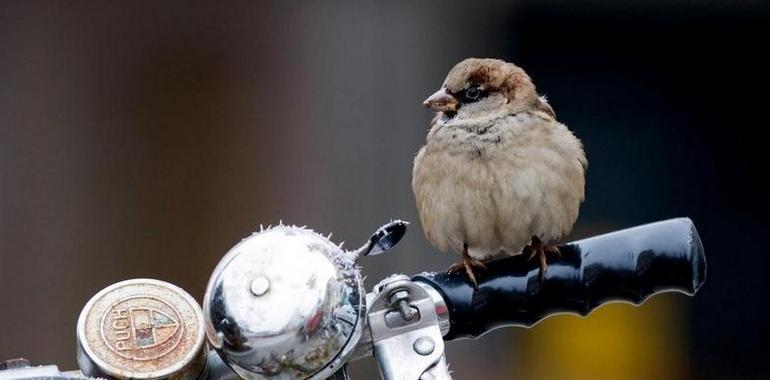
x=541 y=104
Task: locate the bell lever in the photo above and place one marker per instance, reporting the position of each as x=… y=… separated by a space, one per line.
x=385 y=238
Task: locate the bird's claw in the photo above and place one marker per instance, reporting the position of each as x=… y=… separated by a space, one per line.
x=540 y=250
x=468 y=264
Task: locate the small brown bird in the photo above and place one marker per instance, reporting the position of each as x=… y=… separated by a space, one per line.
x=498 y=174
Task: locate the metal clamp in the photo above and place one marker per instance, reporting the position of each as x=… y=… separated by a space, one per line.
x=404 y=326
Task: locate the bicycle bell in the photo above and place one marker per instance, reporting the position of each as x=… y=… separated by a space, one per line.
x=287 y=303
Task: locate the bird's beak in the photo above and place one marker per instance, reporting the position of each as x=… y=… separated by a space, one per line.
x=441 y=100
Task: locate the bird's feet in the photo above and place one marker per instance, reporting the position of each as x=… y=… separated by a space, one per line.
x=468 y=264
x=540 y=250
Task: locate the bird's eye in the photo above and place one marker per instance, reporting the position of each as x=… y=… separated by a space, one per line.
x=472 y=93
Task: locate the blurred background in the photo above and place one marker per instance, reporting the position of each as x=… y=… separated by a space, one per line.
x=140 y=139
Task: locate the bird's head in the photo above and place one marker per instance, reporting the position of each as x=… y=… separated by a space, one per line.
x=480 y=88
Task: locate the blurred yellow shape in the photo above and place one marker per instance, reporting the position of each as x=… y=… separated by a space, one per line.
x=616 y=342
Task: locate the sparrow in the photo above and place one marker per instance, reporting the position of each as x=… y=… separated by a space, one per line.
x=498 y=175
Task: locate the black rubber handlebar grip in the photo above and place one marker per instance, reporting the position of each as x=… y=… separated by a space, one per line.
x=628 y=265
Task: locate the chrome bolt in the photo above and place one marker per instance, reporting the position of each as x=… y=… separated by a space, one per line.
x=424 y=346
x=400 y=299
x=260 y=286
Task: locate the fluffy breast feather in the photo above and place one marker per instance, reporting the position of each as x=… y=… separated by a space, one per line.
x=494 y=184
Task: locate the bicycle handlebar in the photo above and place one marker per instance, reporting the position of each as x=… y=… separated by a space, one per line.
x=628 y=265
x=288 y=303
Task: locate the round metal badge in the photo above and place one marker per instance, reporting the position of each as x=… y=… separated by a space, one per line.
x=141 y=329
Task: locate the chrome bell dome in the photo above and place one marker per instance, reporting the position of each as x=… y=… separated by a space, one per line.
x=287 y=303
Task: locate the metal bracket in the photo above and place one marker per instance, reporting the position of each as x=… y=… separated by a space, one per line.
x=408 y=343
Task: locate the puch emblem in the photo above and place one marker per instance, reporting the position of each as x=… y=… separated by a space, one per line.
x=141 y=328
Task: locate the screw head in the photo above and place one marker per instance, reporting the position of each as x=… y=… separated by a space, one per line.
x=260 y=286
x=424 y=346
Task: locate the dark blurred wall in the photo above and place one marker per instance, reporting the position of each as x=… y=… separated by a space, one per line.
x=669 y=100
x=144 y=140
